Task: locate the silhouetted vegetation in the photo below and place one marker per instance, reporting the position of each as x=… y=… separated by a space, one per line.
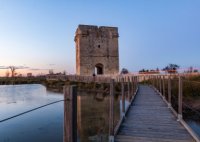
x=171 y=68
x=124 y=71
x=151 y=71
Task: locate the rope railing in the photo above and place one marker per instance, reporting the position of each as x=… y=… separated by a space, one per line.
x=28 y=111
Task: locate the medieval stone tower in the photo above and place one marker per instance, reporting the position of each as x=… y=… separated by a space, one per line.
x=96 y=50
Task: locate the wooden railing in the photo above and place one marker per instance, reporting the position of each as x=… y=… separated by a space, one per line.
x=173 y=95
x=163 y=84
x=79 y=78
x=98 y=78
x=70 y=103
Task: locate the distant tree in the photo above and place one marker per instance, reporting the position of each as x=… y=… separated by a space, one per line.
x=13 y=70
x=142 y=71
x=7 y=73
x=171 y=68
x=64 y=72
x=151 y=71
x=51 y=71
x=190 y=70
x=195 y=70
x=124 y=71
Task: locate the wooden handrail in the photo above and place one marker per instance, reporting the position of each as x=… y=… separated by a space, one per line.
x=161 y=89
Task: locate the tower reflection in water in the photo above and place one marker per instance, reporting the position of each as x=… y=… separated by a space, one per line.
x=93 y=116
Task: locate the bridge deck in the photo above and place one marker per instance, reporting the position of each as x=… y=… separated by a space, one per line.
x=150 y=120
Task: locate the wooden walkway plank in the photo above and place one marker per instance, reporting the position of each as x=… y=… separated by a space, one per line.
x=150 y=120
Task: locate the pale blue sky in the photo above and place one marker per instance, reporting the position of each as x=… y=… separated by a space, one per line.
x=40 y=33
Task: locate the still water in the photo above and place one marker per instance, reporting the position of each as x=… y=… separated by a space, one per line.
x=42 y=125
x=46 y=124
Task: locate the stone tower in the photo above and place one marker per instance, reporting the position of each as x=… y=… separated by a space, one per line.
x=96 y=50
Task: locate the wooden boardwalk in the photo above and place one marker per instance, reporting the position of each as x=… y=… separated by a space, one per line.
x=150 y=120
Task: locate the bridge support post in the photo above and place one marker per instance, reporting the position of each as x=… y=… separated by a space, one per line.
x=132 y=86
x=157 y=78
x=111 y=114
x=169 y=91
x=137 y=80
x=129 y=89
x=153 y=80
x=111 y=138
x=70 y=113
x=160 y=84
x=180 y=98
x=123 y=96
x=163 y=92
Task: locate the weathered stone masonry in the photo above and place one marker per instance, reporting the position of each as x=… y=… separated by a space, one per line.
x=96 y=50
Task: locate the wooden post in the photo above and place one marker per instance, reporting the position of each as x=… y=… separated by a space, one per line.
x=163 y=86
x=180 y=98
x=129 y=90
x=135 y=85
x=157 y=78
x=123 y=95
x=70 y=114
x=160 y=82
x=169 y=91
x=111 y=115
x=132 y=86
x=151 y=80
x=137 y=80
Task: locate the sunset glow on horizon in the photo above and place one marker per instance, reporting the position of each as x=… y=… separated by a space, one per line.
x=39 y=34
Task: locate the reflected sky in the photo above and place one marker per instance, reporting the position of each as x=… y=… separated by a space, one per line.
x=45 y=124
x=15 y=99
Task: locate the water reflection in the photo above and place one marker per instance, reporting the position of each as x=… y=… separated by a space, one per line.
x=15 y=99
x=93 y=116
x=45 y=124
x=195 y=126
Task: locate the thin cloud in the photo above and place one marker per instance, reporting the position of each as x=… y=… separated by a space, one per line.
x=3 y=67
x=22 y=67
x=37 y=69
x=51 y=64
x=17 y=67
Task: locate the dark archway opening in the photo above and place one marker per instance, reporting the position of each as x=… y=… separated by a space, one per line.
x=99 y=69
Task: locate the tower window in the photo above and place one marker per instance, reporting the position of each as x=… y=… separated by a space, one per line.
x=99 y=46
x=98 y=69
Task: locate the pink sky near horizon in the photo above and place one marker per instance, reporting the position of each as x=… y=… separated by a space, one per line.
x=37 y=71
x=39 y=34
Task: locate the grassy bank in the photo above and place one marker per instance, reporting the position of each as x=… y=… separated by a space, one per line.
x=22 y=80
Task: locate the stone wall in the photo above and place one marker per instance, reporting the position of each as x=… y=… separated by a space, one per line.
x=96 y=45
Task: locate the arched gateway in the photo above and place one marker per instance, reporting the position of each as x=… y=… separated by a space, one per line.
x=96 y=50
